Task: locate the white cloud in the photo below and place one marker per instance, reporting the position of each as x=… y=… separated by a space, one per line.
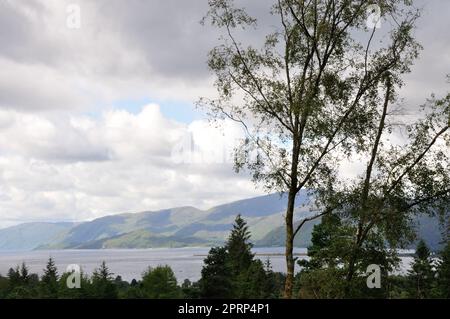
x=57 y=164
x=79 y=168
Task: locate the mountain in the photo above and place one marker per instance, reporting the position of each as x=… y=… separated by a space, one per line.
x=178 y=227
x=31 y=235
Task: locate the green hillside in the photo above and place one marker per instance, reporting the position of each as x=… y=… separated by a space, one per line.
x=178 y=227
x=32 y=235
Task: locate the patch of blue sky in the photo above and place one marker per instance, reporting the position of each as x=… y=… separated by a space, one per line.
x=180 y=111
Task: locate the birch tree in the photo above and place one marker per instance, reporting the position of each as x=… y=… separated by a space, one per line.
x=306 y=96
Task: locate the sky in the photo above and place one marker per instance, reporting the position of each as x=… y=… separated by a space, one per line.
x=94 y=115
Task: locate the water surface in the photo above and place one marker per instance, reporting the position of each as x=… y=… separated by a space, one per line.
x=131 y=263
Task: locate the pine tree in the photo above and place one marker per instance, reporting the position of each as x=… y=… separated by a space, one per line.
x=160 y=283
x=3 y=287
x=239 y=247
x=191 y=290
x=443 y=271
x=22 y=284
x=103 y=273
x=247 y=275
x=216 y=282
x=14 y=277
x=49 y=281
x=83 y=292
x=421 y=273
x=274 y=281
x=103 y=286
x=253 y=283
x=24 y=274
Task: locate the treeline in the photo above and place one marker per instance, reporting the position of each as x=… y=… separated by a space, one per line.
x=232 y=271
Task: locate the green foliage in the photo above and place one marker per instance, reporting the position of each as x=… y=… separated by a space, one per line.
x=190 y=290
x=4 y=285
x=216 y=280
x=247 y=275
x=49 y=281
x=443 y=271
x=326 y=283
x=233 y=272
x=308 y=94
x=84 y=292
x=422 y=275
x=274 y=281
x=103 y=286
x=21 y=284
x=333 y=252
x=239 y=247
x=252 y=283
x=160 y=283
x=227 y=275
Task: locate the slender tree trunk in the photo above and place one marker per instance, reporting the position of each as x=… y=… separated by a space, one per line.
x=290 y=263
x=351 y=268
x=293 y=190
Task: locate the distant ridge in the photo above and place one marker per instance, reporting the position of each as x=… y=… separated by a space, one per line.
x=178 y=227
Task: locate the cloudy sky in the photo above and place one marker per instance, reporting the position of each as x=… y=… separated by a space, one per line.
x=93 y=116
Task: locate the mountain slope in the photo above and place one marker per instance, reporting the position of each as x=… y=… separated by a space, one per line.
x=179 y=225
x=31 y=235
x=176 y=227
x=142 y=239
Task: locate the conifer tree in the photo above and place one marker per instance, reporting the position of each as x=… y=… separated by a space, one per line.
x=21 y=283
x=160 y=283
x=24 y=274
x=216 y=281
x=421 y=273
x=239 y=247
x=443 y=271
x=103 y=286
x=14 y=277
x=49 y=281
x=83 y=292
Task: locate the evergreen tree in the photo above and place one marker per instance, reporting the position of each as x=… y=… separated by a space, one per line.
x=49 y=281
x=274 y=281
x=103 y=286
x=253 y=282
x=443 y=271
x=247 y=275
x=232 y=271
x=14 y=277
x=24 y=274
x=190 y=290
x=22 y=284
x=160 y=283
x=83 y=292
x=134 y=291
x=421 y=273
x=239 y=247
x=216 y=282
x=3 y=287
